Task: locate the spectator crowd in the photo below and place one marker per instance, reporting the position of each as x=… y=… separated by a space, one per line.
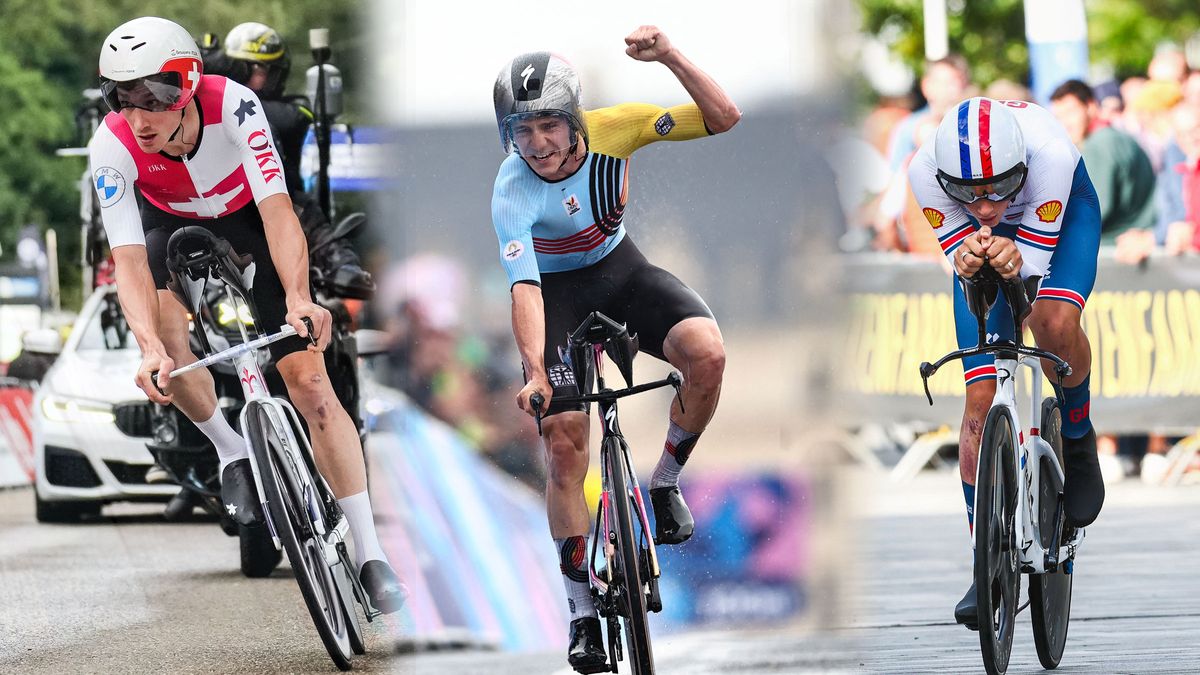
x=1140 y=140
x=1139 y=137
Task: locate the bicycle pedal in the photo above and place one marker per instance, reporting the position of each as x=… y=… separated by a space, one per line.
x=594 y=668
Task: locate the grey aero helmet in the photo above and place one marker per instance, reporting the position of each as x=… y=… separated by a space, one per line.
x=535 y=84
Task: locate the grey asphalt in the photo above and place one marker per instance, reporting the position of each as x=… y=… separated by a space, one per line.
x=1135 y=604
x=130 y=594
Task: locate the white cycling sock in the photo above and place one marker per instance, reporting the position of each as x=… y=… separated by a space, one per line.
x=230 y=445
x=573 y=563
x=362 y=528
x=675 y=454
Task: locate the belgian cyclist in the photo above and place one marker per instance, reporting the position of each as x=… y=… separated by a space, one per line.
x=557 y=207
x=1003 y=185
x=199 y=152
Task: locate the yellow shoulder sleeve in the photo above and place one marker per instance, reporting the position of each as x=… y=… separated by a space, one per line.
x=621 y=129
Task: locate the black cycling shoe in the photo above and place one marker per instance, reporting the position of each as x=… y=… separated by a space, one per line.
x=1083 y=492
x=966 y=612
x=383 y=586
x=238 y=496
x=673 y=522
x=585 y=646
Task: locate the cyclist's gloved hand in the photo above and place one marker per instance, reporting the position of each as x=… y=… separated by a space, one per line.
x=155 y=360
x=968 y=257
x=322 y=322
x=539 y=385
x=1005 y=257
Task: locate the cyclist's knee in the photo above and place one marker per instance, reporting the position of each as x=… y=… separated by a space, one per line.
x=1052 y=320
x=308 y=386
x=708 y=363
x=978 y=402
x=704 y=361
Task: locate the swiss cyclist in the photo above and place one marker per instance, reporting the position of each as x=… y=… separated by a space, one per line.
x=199 y=152
x=1003 y=185
x=255 y=55
x=557 y=207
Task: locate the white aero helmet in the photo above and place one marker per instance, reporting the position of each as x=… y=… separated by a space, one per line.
x=149 y=63
x=980 y=152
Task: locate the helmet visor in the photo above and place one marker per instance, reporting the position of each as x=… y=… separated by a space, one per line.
x=997 y=189
x=539 y=134
x=157 y=93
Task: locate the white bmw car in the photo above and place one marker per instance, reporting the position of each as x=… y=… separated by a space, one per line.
x=91 y=422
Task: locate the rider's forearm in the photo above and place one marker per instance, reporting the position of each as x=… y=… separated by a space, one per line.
x=138 y=296
x=719 y=111
x=289 y=247
x=529 y=328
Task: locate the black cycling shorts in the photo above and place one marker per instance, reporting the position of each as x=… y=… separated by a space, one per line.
x=243 y=229
x=625 y=287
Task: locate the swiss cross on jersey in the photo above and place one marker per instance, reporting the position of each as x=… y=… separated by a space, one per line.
x=234 y=163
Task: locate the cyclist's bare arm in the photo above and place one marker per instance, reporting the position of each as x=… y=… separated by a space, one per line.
x=529 y=329
x=139 y=301
x=648 y=43
x=289 y=252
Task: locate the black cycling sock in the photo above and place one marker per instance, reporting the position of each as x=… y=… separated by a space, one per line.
x=1076 y=410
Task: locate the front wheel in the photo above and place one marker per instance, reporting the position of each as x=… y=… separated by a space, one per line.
x=1050 y=593
x=633 y=591
x=293 y=525
x=997 y=565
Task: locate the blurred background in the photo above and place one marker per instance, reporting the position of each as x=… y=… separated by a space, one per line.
x=824 y=473
x=744 y=218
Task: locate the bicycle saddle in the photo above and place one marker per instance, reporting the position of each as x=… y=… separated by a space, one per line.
x=195 y=255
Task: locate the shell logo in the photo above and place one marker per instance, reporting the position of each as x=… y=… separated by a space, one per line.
x=1049 y=212
x=934 y=217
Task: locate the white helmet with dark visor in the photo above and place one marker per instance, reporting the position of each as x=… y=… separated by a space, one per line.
x=980 y=152
x=149 y=63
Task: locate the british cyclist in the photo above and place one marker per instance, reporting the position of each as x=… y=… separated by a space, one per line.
x=199 y=152
x=557 y=207
x=1003 y=185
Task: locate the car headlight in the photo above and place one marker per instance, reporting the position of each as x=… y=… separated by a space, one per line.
x=227 y=315
x=62 y=409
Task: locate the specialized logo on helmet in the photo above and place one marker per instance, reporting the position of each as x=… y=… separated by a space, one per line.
x=935 y=217
x=1049 y=212
x=110 y=185
x=513 y=250
x=664 y=124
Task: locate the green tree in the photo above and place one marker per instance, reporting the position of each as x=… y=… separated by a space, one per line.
x=48 y=54
x=991 y=35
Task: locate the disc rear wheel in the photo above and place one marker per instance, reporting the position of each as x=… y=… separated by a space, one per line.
x=1050 y=593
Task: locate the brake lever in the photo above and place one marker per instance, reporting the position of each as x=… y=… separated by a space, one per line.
x=308 y=324
x=927 y=370
x=676 y=381
x=154 y=381
x=1061 y=372
x=536 y=401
